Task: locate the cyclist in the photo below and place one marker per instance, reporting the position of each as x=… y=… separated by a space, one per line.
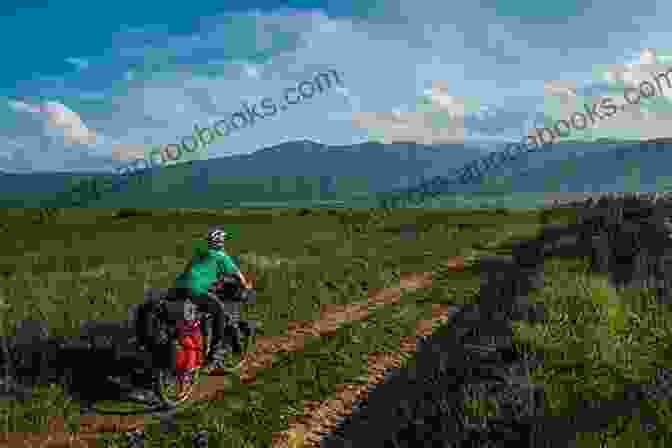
x=203 y=271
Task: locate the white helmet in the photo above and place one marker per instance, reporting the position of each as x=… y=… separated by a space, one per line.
x=217 y=237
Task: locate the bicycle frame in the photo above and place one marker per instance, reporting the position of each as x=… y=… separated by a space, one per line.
x=170 y=312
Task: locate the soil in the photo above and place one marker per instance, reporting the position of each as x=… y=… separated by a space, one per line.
x=322 y=416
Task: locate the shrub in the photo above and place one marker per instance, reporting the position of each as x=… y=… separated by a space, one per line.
x=130 y=212
x=46 y=214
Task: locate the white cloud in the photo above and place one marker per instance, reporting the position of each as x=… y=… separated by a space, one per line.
x=385 y=65
x=647 y=120
x=439 y=119
x=66 y=123
x=563 y=89
x=58 y=120
x=126 y=152
x=149 y=108
x=409 y=126
x=438 y=97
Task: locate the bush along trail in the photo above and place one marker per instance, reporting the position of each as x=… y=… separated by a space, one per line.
x=267 y=348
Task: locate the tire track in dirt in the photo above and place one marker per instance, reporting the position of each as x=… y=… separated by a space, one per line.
x=320 y=417
x=332 y=317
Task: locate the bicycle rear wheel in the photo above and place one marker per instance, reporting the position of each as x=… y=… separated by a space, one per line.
x=174 y=389
x=175 y=386
x=158 y=388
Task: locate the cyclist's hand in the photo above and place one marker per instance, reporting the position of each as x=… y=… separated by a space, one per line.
x=246 y=284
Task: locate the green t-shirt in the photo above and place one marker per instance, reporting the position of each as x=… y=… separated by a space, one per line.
x=204 y=270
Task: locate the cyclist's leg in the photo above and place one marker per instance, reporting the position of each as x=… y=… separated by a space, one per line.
x=210 y=304
x=232 y=331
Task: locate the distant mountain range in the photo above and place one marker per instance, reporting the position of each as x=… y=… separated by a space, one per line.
x=305 y=172
x=297 y=170
x=632 y=166
x=570 y=167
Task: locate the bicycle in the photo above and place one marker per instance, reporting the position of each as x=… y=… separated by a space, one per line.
x=170 y=365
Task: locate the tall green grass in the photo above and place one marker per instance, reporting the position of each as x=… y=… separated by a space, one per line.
x=598 y=340
x=75 y=265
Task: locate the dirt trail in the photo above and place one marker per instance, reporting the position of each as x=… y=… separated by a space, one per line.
x=322 y=416
x=332 y=317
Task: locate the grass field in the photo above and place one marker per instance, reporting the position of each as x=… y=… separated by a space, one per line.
x=77 y=265
x=596 y=343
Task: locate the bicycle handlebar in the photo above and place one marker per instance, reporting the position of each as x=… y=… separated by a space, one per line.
x=241 y=294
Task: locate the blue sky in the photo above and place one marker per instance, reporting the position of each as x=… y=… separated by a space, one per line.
x=87 y=84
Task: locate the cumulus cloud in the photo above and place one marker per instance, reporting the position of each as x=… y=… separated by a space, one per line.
x=58 y=120
x=566 y=90
x=647 y=120
x=128 y=151
x=155 y=85
x=439 y=119
x=63 y=123
x=66 y=123
x=143 y=104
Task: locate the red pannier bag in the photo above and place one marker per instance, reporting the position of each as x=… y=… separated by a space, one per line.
x=189 y=353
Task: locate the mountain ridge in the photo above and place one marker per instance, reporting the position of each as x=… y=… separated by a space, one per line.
x=379 y=166
x=626 y=167
x=310 y=171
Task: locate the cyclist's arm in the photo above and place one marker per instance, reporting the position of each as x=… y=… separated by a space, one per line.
x=243 y=280
x=230 y=267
